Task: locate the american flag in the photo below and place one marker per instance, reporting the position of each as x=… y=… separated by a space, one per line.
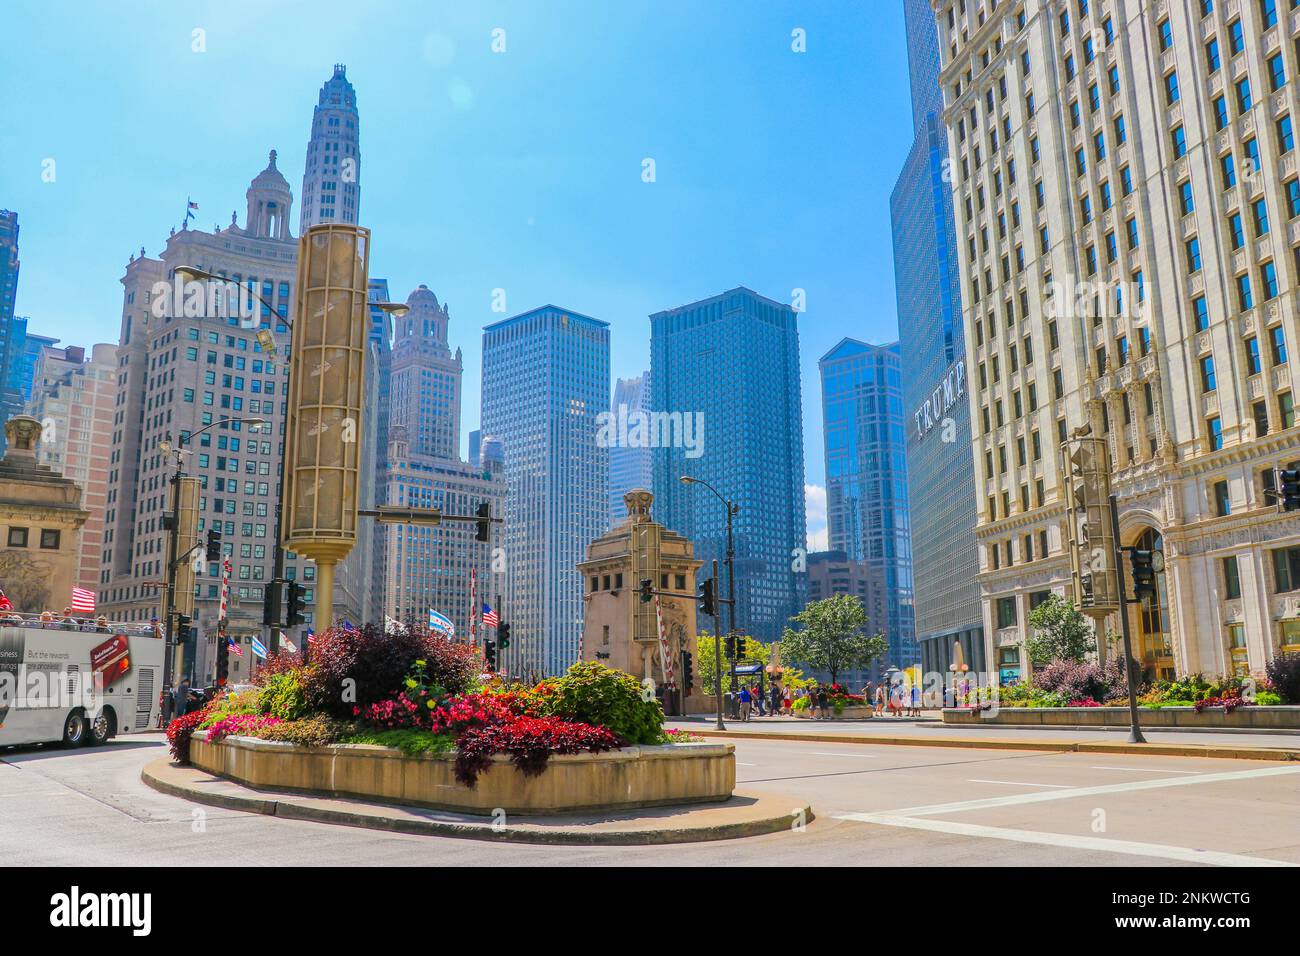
x=490 y=617
x=234 y=646
x=83 y=600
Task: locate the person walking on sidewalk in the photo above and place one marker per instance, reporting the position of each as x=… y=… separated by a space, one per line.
x=880 y=699
x=823 y=703
x=746 y=703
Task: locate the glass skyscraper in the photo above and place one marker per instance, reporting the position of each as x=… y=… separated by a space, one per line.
x=941 y=483
x=545 y=382
x=11 y=400
x=728 y=368
x=630 y=466
x=866 y=477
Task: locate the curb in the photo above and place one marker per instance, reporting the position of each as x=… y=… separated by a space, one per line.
x=289 y=809
x=1223 y=751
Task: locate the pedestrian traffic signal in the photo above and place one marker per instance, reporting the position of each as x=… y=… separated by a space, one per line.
x=1288 y=485
x=271 y=604
x=484 y=514
x=688 y=672
x=708 y=603
x=223 y=660
x=490 y=654
x=294 y=602
x=1146 y=564
x=503 y=635
x=647 y=590
x=214 y=544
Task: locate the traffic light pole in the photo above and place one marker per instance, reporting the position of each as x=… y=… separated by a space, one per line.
x=1135 y=727
x=717 y=649
x=173 y=647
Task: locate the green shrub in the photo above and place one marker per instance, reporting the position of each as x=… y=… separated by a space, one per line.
x=313 y=731
x=411 y=742
x=1156 y=705
x=282 y=696
x=592 y=693
x=802 y=703
x=1267 y=698
x=230 y=704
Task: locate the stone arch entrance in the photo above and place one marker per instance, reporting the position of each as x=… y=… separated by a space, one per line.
x=1149 y=620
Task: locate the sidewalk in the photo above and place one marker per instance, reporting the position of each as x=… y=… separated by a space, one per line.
x=930 y=731
x=744 y=815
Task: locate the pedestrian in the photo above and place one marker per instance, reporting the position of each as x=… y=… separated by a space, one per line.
x=776 y=700
x=746 y=703
x=823 y=703
x=880 y=699
x=896 y=700
x=182 y=697
x=787 y=702
x=915 y=710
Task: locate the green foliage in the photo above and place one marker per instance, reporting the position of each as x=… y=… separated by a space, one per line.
x=314 y=731
x=831 y=636
x=1060 y=632
x=752 y=650
x=592 y=693
x=412 y=742
x=1267 y=698
x=282 y=696
x=230 y=704
x=672 y=736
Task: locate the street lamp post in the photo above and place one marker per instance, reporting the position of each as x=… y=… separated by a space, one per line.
x=267 y=341
x=732 y=510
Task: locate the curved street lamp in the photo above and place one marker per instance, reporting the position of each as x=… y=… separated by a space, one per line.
x=732 y=510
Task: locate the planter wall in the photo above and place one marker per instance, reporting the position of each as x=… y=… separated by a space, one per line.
x=1183 y=718
x=619 y=779
x=848 y=713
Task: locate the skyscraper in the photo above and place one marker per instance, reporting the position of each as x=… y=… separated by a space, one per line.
x=724 y=376
x=1125 y=197
x=430 y=567
x=331 y=182
x=74 y=400
x=545 y=382
x=940 y=475
x=630 y=466
x=10 y=400
x=866 y=477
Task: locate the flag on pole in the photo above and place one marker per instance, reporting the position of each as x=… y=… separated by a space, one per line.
x=83 y=600
x=258 y=647
x=442 y=624
x=665 y=649
x=391 y=625
x=225 y=590
x=311 y=636
x=473 y=606
x=234 y=646
x=190 y=206
x=284 y=639
x=490 y=617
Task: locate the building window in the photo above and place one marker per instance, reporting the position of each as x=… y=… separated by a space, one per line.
x=1222 y=501
x=50 y=538
x=1231 y=578
x=1006 y=612
x=1289 y=636
x=17 y=537
x=1286 y=569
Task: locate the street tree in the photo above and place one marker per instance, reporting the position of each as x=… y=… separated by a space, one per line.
x=1061 y=632
x=753 y=650
x=831 y=636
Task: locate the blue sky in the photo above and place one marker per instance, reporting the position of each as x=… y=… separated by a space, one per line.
x=480 y=170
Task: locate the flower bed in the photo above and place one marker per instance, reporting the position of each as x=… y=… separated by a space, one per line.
x=435 y=709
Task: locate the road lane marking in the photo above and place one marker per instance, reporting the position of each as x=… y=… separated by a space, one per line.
x=825 y=753
x=1070 y=841
x=1146 y=770
x=739 y=764
x=1021 y=783
x=990 y=802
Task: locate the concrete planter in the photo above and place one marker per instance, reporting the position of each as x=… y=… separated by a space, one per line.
x=1183 y=718
x=848 y=713
x=619 y=779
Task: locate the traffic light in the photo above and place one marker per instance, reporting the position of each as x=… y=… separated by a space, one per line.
x=731 y=646
x=1288 y=487
x=271 y=605
x=223 y=660
x=490 y=654
x=214 y=544
x=294 y=597
x=688 y=672
x=1145 y=566
x=647 y=590
x=503 y=635
x=183 y=625
x=484 y=514
x=708 y=605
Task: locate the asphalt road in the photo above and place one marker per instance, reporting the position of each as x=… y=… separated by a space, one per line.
x=876 y=805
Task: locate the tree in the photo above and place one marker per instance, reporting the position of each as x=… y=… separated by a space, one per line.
x=753 y=650
x=831 y=636
x=1061 y=633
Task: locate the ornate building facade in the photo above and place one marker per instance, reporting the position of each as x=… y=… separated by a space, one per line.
x=1128 y=213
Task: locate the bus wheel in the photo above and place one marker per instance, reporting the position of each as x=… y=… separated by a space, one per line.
x=101 y=728
x=74 y=729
